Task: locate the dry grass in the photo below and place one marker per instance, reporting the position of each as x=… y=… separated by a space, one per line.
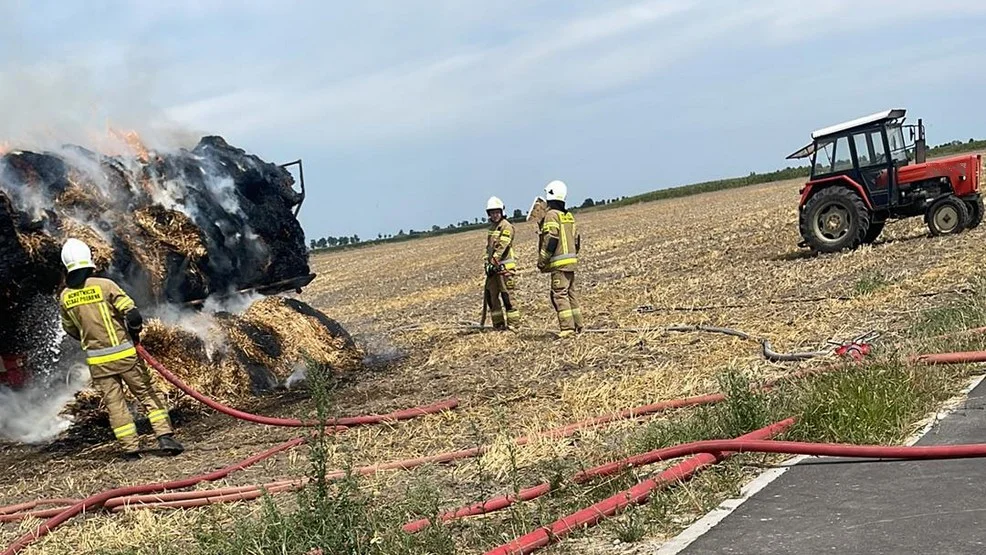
x=172 y=228
x=734 y=249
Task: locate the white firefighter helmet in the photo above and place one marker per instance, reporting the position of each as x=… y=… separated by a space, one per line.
x=556 y=190
x=76 y=255
x=494 y=204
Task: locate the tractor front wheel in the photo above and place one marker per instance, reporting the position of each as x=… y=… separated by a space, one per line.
x=947 y=216
x=834 y=219
x=975 y=212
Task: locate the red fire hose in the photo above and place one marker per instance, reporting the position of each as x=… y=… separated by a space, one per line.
x=100 y=498
x=594 y=514
x=582 y=477
x=181 y=499
x=710 y=452
x=950 y=358
x=339 y=423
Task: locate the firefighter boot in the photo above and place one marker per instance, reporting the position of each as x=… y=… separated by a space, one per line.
x=170 y=445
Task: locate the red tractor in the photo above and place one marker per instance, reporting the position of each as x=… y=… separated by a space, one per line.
x=862 y=176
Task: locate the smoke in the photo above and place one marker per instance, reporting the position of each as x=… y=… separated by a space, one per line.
x=232 y=302
x=203 y=323
x=53 y=98
x=298 y=377
x=380 y=351
x=34 y=415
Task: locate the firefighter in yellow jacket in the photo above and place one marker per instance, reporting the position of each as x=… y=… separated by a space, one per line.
x=105 y=320
x=500 y=267
x=558 y=255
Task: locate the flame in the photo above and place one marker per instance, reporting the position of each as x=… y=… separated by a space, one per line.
x=4 y=147
x=133 y=142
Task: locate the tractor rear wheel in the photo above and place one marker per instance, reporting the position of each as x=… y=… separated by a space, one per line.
x=975 y=212
x=876 y=228
x=834 y=219
x=947 y=216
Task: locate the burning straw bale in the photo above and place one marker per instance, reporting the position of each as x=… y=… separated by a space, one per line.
x=170 y=227
x=234 y=355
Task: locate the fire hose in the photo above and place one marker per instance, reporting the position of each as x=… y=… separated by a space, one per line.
x=338 y=423
x=97 y=500
x=582 y=477
x=193 y=498
x=711 y=451
x=255 y=491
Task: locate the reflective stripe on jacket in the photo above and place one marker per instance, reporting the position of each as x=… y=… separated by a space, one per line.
x=500 y=244
x=561 y=226
x=94 y=314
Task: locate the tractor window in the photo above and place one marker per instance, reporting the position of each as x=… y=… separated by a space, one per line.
x=863 y=154
x=898 y=150
x=823 y=158
x=869 y=149
x=843 y=157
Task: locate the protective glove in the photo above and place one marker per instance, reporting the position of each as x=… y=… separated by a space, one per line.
x=490 y=269
x=134 y=334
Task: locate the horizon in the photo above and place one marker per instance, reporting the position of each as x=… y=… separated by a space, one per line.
x=412 y=116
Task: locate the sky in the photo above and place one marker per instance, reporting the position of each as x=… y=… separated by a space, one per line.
x=412 y=113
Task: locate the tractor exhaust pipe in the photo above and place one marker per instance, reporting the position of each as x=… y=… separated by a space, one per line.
x=920 y=145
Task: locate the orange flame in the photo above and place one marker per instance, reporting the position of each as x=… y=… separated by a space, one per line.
x=4 y=147
x=133 y=142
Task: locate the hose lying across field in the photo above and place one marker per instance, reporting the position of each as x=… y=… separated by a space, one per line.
x=709 y=452
x=766 y=350
x=338 y=423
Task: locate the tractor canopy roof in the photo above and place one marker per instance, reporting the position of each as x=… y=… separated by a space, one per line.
x=886 y=115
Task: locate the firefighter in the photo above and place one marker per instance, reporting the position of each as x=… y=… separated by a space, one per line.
x=500 y=267
x=106 y=321
x=558 y=255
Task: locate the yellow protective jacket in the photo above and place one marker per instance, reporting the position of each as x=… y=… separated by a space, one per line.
x=500 y=245
x=94 y=314
x=559 y=226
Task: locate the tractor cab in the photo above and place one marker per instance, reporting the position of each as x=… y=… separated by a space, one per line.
x=862 y=175
x=861 y=153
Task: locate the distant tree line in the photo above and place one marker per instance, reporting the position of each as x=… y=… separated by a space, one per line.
x=754 y=178
x=331 y=242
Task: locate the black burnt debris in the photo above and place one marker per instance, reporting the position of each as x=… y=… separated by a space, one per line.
x=170 y=227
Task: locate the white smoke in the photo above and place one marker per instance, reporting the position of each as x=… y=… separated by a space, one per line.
x=299 y=376
x=233 y=302
x=203 y=323
x=34 y=415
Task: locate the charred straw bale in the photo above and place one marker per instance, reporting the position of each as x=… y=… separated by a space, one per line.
x=169 y=227
x=253 y=352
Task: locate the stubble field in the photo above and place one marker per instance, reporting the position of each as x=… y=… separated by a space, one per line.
x=722 y=259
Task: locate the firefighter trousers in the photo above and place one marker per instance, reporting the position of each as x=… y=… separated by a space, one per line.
x=502 y=310
x=138 y=381
x=565 y=300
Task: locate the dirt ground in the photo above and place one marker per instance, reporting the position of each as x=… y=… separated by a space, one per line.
x=727 y=259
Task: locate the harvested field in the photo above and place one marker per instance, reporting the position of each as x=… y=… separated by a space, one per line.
x=720 y=259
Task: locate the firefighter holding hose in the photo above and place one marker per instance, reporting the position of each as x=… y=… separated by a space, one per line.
x=558 y=255
x=98 y=313
x=500 y=267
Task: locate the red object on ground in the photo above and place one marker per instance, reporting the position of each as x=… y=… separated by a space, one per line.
x=855 y=351
x=950 y=358
x=177 y=499
x=97 y=500
x=639 y=493
x=607 y=469
x=13 y=372
x=338 y=423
